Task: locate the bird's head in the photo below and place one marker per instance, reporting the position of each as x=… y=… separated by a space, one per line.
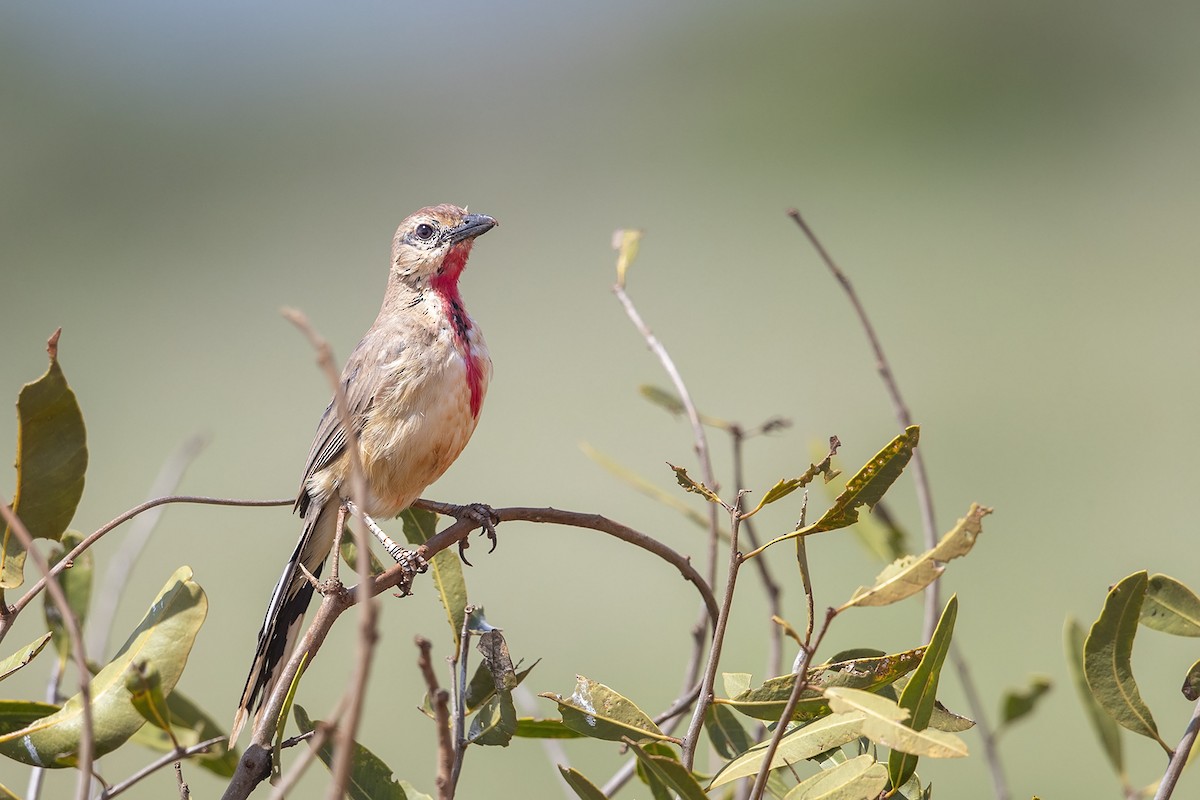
x=433 y=243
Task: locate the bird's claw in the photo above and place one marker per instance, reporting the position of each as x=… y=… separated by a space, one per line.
x=482 y=515
x=413 y=563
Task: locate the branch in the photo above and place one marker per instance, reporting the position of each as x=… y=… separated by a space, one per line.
x=176 y=754
x=933 y=603
x=87 y=742
x=1179 y=758
x=255 y=763
x=439 y=699
x=7 y=618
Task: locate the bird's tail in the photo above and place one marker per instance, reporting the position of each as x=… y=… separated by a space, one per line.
x=285 y=614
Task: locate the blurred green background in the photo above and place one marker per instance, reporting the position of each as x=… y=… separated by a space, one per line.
x=1013 y=187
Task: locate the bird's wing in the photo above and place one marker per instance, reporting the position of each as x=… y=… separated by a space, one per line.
x=330 y=441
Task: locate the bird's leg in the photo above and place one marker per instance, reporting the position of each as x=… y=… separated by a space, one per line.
x=481 y=514
x=337 y=543
x=411 y=560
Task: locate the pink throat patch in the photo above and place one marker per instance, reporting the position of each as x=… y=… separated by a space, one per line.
x=445 y=285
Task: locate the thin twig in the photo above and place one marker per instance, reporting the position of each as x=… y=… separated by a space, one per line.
x=10 y=615
x=691 y=740
x=319 y=735
x=87 y=742
x=439 y=699
x=120 y=566
x=781 y=729
x=367 y=636
x=185 y=793
x=987 y=736
x=933 y=604
x=458 y=673
x=154 y=766
x=699 y=439
x=255 y=763
x=1180 y=757
x=770 y=586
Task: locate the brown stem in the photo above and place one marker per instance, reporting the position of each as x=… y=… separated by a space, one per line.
x=439 y=698
x=167 y=759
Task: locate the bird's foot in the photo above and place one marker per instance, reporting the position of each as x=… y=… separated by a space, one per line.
x=413 y=563
x=479 y=513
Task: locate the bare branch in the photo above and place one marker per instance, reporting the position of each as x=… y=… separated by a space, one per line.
x=166 y=760
x=1179 y=758
x=933 y=603
x=439 y=698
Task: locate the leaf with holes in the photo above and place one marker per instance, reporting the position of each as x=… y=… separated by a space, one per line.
x=597 y=711
x=1171 y=607
x=690 y=485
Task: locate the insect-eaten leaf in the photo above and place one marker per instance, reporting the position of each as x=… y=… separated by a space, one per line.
x=767 y=702
x=51 y=461
x=1171 y=607
x=370 y=777
x=694 y=486
x=495 y=723
x=908 y=575
x=867 y=487
x=163 y=639
x=601 y=713
x=1107 y=653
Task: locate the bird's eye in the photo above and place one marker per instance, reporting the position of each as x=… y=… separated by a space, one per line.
x=424 y=232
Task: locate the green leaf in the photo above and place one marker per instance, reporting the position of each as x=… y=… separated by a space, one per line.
x=163 y=640
x=370 y=777
x=23 y=656
x=860 y=778
x=191 y=725
x=349 y=553
x=694 y=486
x=597 y=711
x=530 y=728
x=910 y=574
x=728 y=736
x=1107 y=655
x=76 y=583
x=663 y=399
x=419 y=527
x=867 y=487
x=18 y=714
x=1105 y=726
x=585 y=789
x=670 y=772
x=1171 y=607
x=51 y=460
x=1017 y=703
x=799 y=745
x=920 y=695
x=146 y=693
x=886 y=722
x=496 y=722
x=767 y=702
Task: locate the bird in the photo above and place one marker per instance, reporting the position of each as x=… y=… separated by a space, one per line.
x=414 y=386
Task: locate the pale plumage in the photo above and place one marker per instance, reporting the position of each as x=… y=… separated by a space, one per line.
x=414 y=386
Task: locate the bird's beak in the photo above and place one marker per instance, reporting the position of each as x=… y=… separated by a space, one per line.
x=472 y=225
